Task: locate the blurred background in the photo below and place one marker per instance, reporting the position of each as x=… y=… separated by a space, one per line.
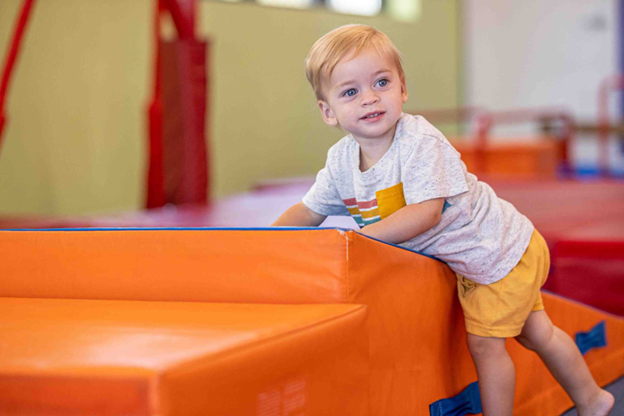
x=76 y=138
x=200 y=111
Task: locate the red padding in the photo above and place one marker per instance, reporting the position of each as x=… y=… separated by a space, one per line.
x=155 y=190
x=185 y=167
x=591 y=272
x=595 y=250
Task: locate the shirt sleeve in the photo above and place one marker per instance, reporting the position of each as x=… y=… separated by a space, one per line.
x=324 y=198
x=433 y=169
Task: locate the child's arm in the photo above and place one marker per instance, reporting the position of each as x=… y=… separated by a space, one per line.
x=408 y=222
x=299 y=216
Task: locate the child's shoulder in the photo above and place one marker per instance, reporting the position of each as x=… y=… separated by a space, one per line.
x=416 y=133
x=414 y=127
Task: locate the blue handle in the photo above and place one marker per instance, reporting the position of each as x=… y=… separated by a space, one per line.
x=594 y=338
x=468 y=401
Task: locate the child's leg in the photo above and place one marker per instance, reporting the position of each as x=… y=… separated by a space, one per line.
x=565 y=362
x=496 y=374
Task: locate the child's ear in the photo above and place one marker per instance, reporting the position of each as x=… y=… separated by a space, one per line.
x=327 y=114
x=403 y=89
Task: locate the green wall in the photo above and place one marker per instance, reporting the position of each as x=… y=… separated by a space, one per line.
x=76 y=140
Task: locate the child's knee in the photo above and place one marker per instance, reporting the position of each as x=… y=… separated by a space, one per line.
x=484 y=346
x=537 y=333
x=526 y=342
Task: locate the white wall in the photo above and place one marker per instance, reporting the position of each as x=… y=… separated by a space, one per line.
x=534 y=52
x=540 y=53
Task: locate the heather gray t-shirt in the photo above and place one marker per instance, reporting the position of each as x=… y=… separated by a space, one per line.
x=480 y=236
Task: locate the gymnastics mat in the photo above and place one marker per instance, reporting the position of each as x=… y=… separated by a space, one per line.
x=416 y=334
x=591 y=272
x=93 y=357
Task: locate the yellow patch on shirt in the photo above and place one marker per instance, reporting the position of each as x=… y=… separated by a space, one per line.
x=370 y=213
x=390 y=200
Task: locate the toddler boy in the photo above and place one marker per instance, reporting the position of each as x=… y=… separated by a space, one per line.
x=403 y=182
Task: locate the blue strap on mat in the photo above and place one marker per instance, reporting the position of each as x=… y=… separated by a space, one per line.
x=466 y=402
x=594 y=338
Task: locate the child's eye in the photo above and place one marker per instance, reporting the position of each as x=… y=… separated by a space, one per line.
x=349 y=93
x=382 y=82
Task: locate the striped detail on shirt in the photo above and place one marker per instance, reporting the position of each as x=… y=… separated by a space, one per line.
x=364 y=213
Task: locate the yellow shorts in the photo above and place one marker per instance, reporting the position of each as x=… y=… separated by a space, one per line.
x=501 y=308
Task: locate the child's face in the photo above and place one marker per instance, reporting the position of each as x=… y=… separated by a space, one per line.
x=364 y=95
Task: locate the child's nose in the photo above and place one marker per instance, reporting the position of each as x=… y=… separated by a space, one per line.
x=369 y=97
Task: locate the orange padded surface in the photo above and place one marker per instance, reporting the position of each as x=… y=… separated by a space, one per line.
x=519 y=157
x=408 y=295
x=179 y=265
x=416 y=334
x=62 y=357
x=537 y=393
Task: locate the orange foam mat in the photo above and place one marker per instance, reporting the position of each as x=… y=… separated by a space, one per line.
x=85 y=357
x=537 y=393
x=416 y=333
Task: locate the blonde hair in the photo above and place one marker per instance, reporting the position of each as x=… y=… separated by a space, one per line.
x=335 y=45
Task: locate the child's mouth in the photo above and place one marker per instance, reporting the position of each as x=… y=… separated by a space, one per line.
x=372 y=116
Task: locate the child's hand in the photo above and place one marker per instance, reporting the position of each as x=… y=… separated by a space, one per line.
x=299 y=216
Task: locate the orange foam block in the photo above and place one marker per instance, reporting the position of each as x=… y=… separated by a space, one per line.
x=85 y=357
x=416 y=333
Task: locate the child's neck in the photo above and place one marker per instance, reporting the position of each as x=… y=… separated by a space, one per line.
x=372 y=151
